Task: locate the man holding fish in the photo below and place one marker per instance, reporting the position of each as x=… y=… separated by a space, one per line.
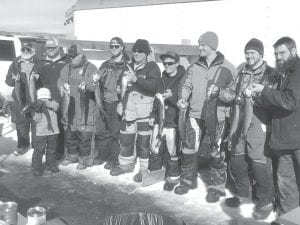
x=165 y=111
x=250 y=131
x=196 y=92
x=21 y=75
x=284 y=101
x=110 y=79
x=78 y=90
x=135 y=130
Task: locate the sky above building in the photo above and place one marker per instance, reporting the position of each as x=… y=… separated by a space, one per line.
x=34 y=15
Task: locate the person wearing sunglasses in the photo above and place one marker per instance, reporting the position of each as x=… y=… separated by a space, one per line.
x=210 y=69
x=135 y=130
x=168 y=87
x=48 y=70
x=23 y=69
x=108 y=129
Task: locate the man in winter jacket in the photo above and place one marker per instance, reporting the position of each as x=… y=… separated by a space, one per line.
x=49 y=70
x=108 y=127
x=251 y=152
x=168 y=140
x=212 y=69
x=23 y=70
x=76 y=79
x=284 y=102
x=135 y=132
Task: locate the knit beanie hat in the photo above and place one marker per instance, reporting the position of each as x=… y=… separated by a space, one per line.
x=210 y=39
x=74 y=50
x=255 y=44
x=141 y=45
x=43 y=93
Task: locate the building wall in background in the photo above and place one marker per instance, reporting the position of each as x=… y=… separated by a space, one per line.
x=235 y=22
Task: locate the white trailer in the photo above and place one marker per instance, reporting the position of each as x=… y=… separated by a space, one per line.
x=182 y=22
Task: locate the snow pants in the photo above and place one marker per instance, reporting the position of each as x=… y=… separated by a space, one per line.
x=48 y=143
x=169 y=145
x=23 y=126
x=135 y=132
x=215 y=176
x=107 y=134
x=79 y=143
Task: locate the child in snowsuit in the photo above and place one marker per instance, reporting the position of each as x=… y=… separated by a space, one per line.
x=45 y=117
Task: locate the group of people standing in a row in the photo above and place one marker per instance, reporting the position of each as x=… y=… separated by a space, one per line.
x=242 y=122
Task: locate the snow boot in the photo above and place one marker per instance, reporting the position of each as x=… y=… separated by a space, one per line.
x=236 y=201
x=188 y=179
x=69 y=159
x=169 y=186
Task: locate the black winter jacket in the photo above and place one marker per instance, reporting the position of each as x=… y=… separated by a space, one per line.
x=147 y=76
x=49 y=72
x=285 y=103
x=171 y=109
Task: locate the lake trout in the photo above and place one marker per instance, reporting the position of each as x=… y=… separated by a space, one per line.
x=83 y=101
x=124 y=85
x=182 y=124
x=248 y=113
x=65 y=110
x=99 y=101
x=211 y=120
x=19 y=90
x=161 y=116
x=32 y=88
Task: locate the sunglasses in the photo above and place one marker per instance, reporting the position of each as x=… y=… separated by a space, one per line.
x=114 y=46
x=50 y=48
x=137 y=51
x=168 y=63
x=25 y=49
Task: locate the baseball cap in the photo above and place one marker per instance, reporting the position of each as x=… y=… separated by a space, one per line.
x=51 y=42
x=170 y=54
x=27 y=45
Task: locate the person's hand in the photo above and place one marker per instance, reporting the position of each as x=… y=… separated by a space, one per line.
x=256 y=88
x=96 y=77
x=248 y=92
x=182 y=103
x=82 y=86
x=34 y=76
x=65 y=89
x=167 y=94
x=131 y=75
x=16 y=76
x=212 y=90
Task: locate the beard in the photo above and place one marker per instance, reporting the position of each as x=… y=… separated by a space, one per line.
x=27 y=56
x=285 y=66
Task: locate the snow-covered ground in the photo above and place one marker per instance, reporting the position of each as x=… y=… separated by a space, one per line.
x=192 y=207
